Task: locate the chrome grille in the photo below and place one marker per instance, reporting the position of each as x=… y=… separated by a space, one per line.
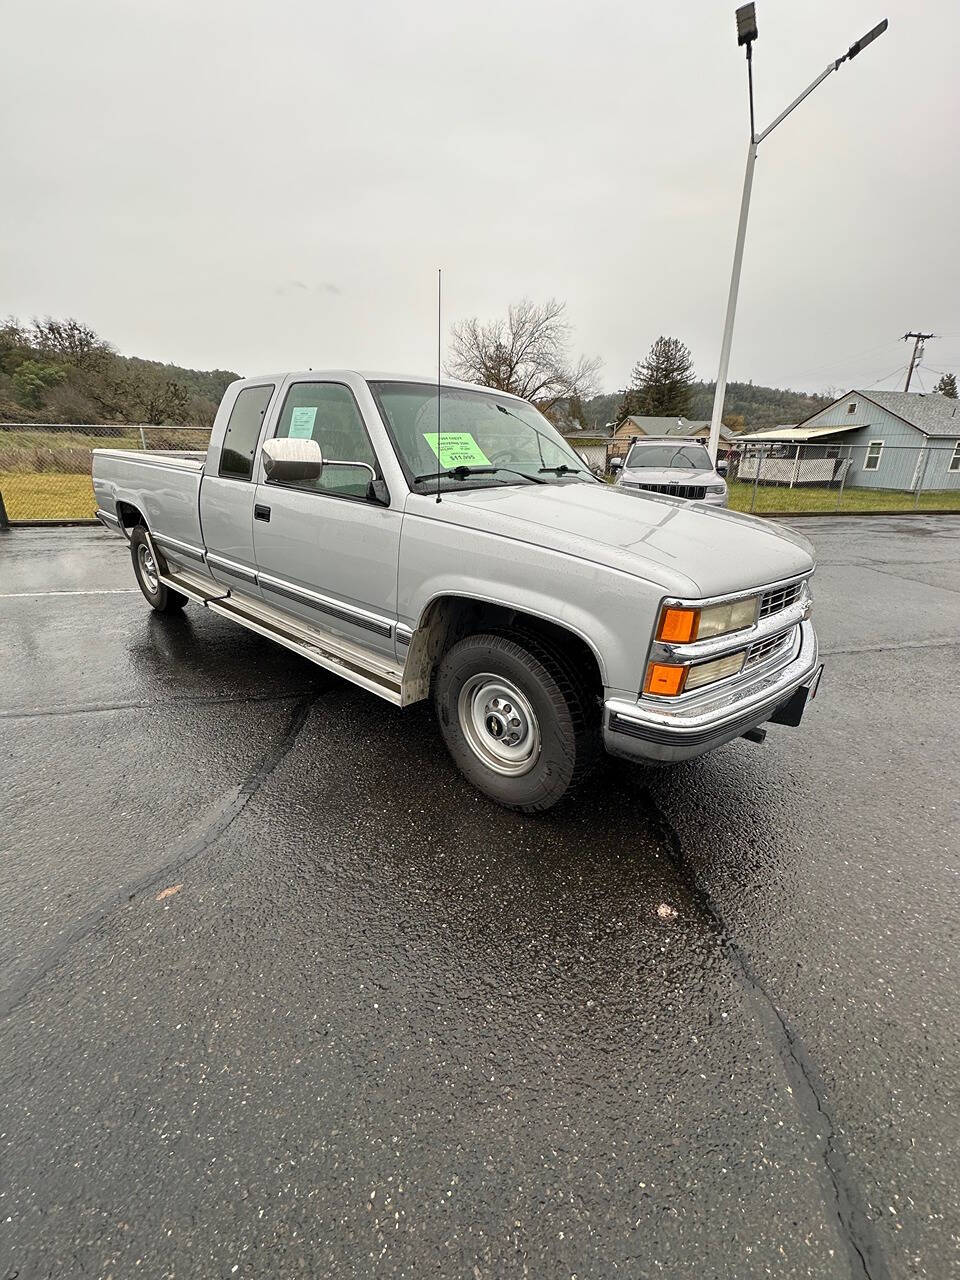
x=695 y=492
x=764 y=649
x=781 y=598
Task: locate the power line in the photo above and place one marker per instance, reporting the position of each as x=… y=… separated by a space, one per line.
x=886 y=377
x=857 y=355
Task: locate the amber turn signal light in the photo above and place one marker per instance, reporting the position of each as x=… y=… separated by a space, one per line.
x=678 y=626
x=664 y=679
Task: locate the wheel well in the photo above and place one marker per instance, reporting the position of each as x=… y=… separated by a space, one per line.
x=450 y=618
x=129 y=515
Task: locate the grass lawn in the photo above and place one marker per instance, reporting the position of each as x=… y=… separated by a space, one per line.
x=775 y=498
x=47 y=495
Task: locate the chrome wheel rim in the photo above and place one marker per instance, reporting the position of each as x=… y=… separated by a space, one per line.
x=148 y=568
x=499 y=724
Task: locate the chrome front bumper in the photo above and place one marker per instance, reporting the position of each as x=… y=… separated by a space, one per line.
x=638 y=730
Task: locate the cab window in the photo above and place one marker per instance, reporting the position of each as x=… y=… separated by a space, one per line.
x=328 y=413
x=243 y=432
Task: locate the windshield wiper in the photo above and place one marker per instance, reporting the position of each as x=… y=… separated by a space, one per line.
x=461 y=473
x=564 y=470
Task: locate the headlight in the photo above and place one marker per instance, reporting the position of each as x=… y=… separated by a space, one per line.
x=719 y=669
x=681 y=625
x=716 y=488
x=669 y=680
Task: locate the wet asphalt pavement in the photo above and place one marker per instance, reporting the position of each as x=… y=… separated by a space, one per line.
x=703 y=1022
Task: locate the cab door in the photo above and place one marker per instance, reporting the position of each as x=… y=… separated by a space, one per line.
x=327 y=549
x=227 y=492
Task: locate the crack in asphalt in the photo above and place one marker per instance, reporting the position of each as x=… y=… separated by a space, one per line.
x=947 y=643
x=222 y=817
x=901 y=577
x=842 y=1195
x=142 y=704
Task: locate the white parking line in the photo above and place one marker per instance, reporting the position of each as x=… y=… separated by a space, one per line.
x=30 y=595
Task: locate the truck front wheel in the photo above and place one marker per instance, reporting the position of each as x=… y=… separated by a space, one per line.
x=147 y=572
x=516 y=719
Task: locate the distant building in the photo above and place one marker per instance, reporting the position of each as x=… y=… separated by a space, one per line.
x=638 y=425
x=877 y=440
x=591 y=443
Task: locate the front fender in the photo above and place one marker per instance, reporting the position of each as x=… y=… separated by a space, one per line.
x=613 y=612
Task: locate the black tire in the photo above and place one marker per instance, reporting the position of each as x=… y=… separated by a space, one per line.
x=163 y=599
x=546 y=716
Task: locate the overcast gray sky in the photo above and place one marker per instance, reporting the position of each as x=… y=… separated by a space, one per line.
x=257 y=186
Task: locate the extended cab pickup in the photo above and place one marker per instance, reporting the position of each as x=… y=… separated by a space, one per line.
x=473 y=560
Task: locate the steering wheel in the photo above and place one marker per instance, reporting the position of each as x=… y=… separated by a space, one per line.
x=503 y=458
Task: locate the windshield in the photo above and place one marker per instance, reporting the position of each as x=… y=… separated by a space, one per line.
x=479 y=429
x=685 y=457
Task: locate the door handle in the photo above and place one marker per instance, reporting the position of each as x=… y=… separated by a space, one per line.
x=260 y=512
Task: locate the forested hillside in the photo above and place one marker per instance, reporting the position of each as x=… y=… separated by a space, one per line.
x=746 y=405
x=758 y=406
x=62 y=371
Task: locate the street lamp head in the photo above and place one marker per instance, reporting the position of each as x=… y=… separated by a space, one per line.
x=869 y=38
x=746 y=24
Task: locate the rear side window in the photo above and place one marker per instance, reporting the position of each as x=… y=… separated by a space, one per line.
x=243 y=431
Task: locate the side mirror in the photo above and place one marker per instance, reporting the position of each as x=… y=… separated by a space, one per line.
x=287 y=460
x=616 y=464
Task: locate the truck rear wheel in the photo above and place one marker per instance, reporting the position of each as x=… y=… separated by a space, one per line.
x=515 y=718
x=147 y=573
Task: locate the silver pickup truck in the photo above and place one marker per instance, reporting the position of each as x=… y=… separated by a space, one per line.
x=442 y=541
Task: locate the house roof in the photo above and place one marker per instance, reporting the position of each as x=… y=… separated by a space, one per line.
x=799 y=433
x=588 y=433
x=671 y=427
x=929 y=412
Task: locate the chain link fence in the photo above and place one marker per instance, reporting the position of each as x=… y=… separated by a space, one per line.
x=45 y=469
x=779 y=478
x=770 y=478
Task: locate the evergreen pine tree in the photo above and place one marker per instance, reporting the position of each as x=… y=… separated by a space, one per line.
x=665 y=379
x=947 y=386
x=630 y=404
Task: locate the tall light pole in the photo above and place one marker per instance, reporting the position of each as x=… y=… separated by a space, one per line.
x=746 y=35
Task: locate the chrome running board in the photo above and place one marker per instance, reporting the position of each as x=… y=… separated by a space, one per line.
x=370 y=671
x=195 y=586
x=334 y=654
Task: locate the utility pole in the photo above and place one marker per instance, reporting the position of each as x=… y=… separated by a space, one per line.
x=918 y=341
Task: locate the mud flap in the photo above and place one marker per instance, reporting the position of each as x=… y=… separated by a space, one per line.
x=791 y=711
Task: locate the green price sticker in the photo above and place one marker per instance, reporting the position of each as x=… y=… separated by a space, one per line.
x=301 y=423
x=456 y=449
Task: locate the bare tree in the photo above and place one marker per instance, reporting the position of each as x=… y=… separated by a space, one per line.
x=527 y=354
x=69 y=339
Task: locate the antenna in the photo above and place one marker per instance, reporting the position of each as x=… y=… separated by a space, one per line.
x=439 y=341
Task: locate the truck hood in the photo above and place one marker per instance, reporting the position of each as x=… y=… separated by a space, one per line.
x=669 y=475
x=687 y=548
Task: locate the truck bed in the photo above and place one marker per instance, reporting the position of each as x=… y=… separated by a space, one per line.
x=164 y=486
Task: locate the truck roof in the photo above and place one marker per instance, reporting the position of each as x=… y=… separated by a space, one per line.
x=374 y=376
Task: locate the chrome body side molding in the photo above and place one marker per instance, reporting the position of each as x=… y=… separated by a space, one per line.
x=183 y=548
x=324 y=604
x=231 y=566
